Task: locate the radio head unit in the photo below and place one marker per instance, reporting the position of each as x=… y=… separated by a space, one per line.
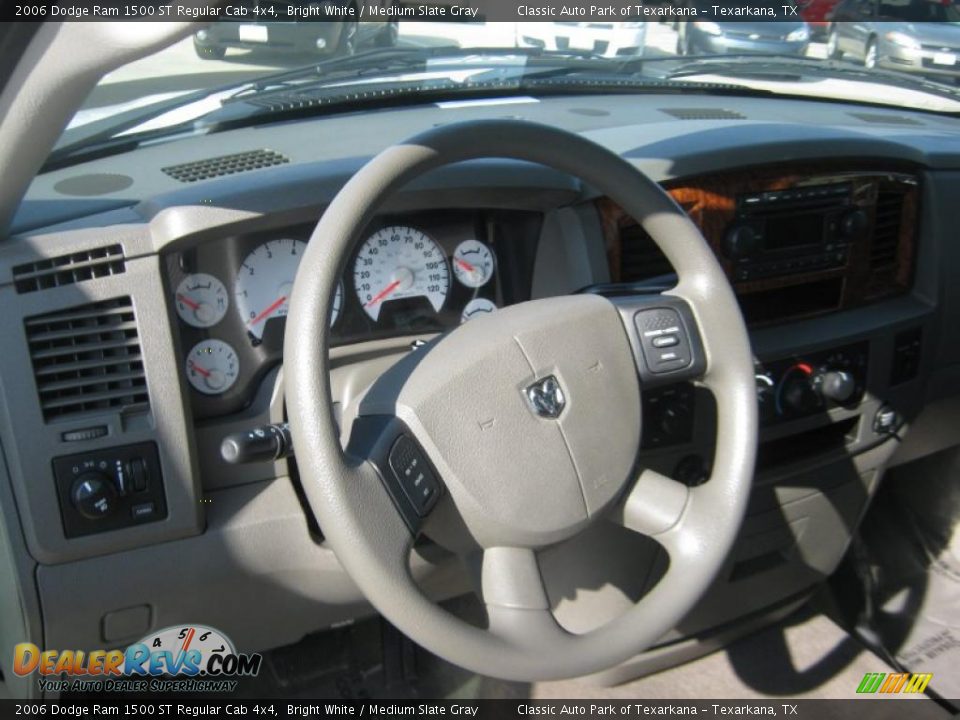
x=801 y=229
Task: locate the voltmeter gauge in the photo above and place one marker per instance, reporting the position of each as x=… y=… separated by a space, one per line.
x=201 y=300
x=212 y=367
x=473 y=263
x=476 y=307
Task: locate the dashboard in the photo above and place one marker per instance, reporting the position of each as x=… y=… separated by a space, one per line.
x=410 y=274
x=835 y=233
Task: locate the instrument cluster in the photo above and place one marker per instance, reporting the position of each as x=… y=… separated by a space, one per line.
x=407 y=276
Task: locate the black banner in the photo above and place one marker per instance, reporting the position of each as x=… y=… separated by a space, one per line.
x=917 y=708
x=261 y=11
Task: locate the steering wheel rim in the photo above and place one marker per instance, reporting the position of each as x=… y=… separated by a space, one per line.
x=697 y=526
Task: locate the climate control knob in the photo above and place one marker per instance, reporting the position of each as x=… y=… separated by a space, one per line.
x=741 y=241
x=94 y=495
x=836 y=385
x=853 y=223
x=799 y=396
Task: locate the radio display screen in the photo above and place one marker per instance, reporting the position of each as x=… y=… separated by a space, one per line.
x=792 y=231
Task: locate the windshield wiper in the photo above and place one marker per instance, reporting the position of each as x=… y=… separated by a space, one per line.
x=381 y=78
x=118 y=133
x=407 y=59
x=782 y=68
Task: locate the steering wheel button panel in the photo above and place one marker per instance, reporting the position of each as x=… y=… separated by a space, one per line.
x=658 y=329
x=413 y=474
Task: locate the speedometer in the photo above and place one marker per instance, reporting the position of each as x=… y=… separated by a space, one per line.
x=400 y=262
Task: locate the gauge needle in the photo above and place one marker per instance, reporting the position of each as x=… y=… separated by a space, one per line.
x=465 y=265
x=194 y=366
x=188 y=302
x=383 y=293
x=273 y=306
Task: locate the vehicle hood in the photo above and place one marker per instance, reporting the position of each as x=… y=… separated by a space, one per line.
x=764 y=29
x=932 y=33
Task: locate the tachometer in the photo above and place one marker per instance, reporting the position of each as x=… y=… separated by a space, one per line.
x=400 y=262
x=265 y=281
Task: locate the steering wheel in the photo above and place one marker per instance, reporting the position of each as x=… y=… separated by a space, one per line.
x=518 y=430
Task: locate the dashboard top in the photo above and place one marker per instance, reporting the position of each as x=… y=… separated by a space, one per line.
x=753 y=131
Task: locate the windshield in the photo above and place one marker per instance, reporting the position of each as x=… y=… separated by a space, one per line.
x=904 y=53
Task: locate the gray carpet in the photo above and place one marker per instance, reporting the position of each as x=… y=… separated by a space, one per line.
x=807 y=656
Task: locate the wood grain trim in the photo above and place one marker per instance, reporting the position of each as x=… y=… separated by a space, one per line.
x=710 y=201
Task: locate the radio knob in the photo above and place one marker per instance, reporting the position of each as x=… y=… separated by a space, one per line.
x=853 y=223
x=740 y=242
x=836 y=385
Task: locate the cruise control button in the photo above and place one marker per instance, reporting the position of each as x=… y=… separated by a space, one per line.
x=414 y=475
x=665 y=341
x=661 y=328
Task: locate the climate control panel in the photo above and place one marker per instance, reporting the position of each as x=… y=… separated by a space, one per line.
x=109 y=489
x=811 y=383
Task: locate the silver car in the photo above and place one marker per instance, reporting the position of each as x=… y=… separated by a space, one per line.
x=921 y=36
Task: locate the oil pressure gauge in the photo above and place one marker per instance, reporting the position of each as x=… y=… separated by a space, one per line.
x=212 y=367
x=201 y=300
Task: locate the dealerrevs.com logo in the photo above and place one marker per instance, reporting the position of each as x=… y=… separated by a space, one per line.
x=192 y=658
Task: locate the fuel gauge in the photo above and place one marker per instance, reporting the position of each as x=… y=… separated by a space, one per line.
x=201 y=300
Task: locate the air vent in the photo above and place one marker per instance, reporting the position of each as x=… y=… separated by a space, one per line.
x=884 y=119
x=888 y=218
x=703 y=114
x=68 y=269
x=87 y=359
x=640 y=258
x=225 y=165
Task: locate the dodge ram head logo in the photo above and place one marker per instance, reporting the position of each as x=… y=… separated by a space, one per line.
x=546 y=397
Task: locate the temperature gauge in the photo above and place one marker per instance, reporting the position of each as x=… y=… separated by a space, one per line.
x=477 y=306
x=202 y=300
x=212 y=367
x=473 y=263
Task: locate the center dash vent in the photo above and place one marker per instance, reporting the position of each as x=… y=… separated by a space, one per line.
x=703 y=114
x=888 y=218
x=640 y=258
x=884 y=118
x=225 y=165
x=87 y=358
x=68 y=269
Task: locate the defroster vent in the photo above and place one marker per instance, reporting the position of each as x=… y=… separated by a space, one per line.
x=69 y=269
x=225 y=165
x=87 y=359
